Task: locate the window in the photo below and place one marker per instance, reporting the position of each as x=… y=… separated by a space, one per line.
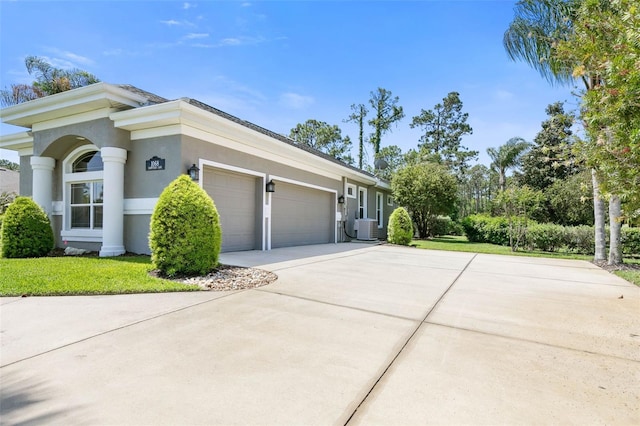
x=351 y=190
x=389 y=200
x=89 y=162
x=362 y=203
x=83 y=195
x=379 y=209
x=86 y=205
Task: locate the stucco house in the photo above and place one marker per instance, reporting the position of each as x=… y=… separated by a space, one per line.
x=97 y=158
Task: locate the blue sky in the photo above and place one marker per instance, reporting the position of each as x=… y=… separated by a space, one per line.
x=279 y=63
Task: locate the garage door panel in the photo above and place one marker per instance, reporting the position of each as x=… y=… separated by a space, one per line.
x=235 y=197
x=301 y=216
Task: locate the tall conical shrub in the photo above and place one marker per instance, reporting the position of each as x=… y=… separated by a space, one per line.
x=185 y=235
x=26 y=230
x=400 y=227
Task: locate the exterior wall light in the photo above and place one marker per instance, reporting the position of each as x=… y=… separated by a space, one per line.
x=271 y=187
x=341 y=199
x=193 y=173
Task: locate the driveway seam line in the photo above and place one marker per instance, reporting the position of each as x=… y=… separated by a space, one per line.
x=121 y=328
x=521 y=339
x=406 y=343
x=308 y=299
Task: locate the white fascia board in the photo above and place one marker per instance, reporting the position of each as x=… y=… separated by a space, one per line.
x=71 y=102
x=17 y=141
x=159 y=115
x=73 y=119
x=180 y=117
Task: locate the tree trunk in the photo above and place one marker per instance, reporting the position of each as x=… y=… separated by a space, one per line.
x=598 y=214
x=615 y=226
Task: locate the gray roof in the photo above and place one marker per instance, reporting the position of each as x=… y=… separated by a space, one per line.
x=155 y=99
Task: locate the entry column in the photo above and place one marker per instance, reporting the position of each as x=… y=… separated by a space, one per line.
x=113 y=201
x=42 y=189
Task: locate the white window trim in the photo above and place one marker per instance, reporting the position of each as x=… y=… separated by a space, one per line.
x=365 y=214
x=351 y=187
x=380 y=209
x=85 y=235
x=390 y=200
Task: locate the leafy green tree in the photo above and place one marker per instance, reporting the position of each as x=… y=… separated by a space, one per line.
x=359 y=112
x=479 y=189
x=550 y=158
x=606 y=44
x=386 y=112
x=426 y=190
x=569 y=200
x=9 y=165
x=443 y=128
x=506 y=157
x=26 y=230
x=518 y=204
x=49 y=80
x=400 y=227
x=536 y=36
x=323 y=137
x=393 y=158
x=185 y=235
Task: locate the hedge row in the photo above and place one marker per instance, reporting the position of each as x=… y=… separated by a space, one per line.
x=545 y=236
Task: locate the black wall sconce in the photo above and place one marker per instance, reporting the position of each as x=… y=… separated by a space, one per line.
x=341 y=199
x=193 y=172
x=271 y=187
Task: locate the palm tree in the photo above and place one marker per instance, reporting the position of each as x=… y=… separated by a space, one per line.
x=49 y=80
x=506 y=157
x=536 y=28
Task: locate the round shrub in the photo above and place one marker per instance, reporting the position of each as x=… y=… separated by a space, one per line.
x=26 y=230
x=185 y=235
x=400 y=227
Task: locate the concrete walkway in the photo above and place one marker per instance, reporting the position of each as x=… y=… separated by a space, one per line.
x=348 y=334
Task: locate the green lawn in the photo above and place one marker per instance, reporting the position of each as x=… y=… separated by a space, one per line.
x=47 y=276
x=453 y=243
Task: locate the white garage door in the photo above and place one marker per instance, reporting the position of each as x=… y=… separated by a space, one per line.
x=235 y=197
x=301 y=215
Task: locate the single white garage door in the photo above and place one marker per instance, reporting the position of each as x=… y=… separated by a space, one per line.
x=301 y=215
x=235 y=197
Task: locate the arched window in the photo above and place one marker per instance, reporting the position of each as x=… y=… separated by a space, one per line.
x=89 y=162
x=84 y=188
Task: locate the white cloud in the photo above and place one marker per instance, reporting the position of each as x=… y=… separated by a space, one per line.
x=171 y=22
x=296 y=101
x=68 y=59
x=187 y=6
x=192 y=36
x=240 y=41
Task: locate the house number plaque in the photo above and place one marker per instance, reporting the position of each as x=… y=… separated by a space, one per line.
x=155 y=163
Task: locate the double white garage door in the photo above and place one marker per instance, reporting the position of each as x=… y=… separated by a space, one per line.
x=299 y=215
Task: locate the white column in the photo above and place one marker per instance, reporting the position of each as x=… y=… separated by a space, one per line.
x=42 y=190
x=113 y=201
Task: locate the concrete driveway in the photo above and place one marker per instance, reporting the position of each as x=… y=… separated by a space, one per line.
x=349 y=333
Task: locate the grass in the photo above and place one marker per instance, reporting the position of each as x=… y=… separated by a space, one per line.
x=49 y=276
x=454 y=243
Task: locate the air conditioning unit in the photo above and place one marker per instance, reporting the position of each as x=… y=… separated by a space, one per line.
x=367 y=229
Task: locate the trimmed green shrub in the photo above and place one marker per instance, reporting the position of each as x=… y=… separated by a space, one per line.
x=486 y=229
x=185 y=235
x=400 y=227
x=580 y=239
x=630 y=239
x=26 y=230
x=546 y=236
